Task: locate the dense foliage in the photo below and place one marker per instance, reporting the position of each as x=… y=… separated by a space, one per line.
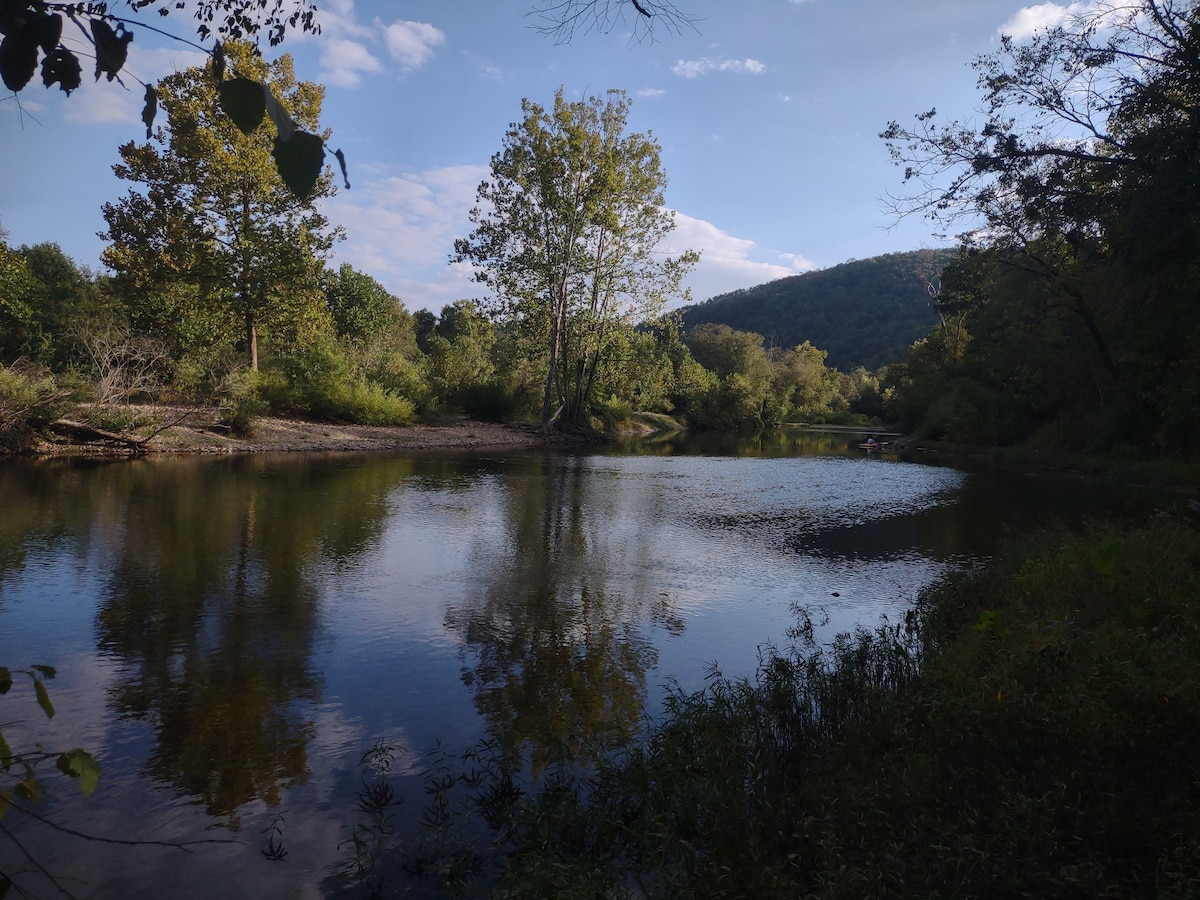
x=863 y=313
x=1071 y=319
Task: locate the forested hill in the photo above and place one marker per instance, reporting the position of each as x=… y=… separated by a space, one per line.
x=864 y=313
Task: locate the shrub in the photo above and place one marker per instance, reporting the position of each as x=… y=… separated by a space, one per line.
x=612 y=412
x=29 y=398
x=241 y=402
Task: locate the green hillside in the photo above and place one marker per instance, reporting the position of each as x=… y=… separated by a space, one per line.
x=864 y=313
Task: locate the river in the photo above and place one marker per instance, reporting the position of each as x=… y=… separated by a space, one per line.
x=231 y=634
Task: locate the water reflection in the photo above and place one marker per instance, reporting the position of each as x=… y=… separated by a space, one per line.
x=209 y=604
x=556 y=656
x=234 y=633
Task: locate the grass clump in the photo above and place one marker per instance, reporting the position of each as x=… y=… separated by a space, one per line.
x=1028 y=731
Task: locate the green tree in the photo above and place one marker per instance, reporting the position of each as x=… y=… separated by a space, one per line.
x=1083 y=181
x=459 y=352
x=44 y=297
x=209 y=210
x=568 y=237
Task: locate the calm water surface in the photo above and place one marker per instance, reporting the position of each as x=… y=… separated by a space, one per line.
x=231 y=634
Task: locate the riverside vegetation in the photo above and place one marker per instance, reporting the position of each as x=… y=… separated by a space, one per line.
x=1027 y=731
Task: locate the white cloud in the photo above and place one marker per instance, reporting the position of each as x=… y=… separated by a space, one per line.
x=651 y=92
x=401 y=230
x=1032 y=19
x=727 y=262
x=412 y=43
x=694 y=68
x=342 y=60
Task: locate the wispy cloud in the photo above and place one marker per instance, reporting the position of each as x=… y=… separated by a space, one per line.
x=651 y=92
x=350 y=48
x=694 y=68
x=728 y=262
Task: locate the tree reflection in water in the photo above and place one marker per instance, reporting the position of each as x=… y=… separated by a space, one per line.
x=554 y=656
x=212 y=610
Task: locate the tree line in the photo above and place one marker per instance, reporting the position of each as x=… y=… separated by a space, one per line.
x=221 y=290
x=1069 y=319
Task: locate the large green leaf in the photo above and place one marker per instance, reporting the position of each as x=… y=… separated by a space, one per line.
x=80 y=764
x=112 y=47
x=18 y=59
x=150 y=110
x=299 y=161
x=43 y=698
x=6 y=754
x=5 y=680
x=62 y=66
x=244 y=102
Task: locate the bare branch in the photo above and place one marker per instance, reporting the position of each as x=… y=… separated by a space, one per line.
x=562 y=20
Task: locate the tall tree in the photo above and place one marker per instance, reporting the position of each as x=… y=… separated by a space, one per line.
x=569 y=237
x=208 y=208
x=1084 y=178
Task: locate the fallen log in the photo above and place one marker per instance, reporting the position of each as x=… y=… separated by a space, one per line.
x=89 y=434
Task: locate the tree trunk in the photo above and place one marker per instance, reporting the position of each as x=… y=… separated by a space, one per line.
x=251 y=339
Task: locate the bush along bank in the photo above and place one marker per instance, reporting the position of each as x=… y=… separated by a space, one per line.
x=1028 y=731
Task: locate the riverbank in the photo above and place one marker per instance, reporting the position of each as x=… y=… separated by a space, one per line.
x=180 y=430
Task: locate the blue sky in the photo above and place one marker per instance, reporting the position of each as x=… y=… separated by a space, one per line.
x=768 y=117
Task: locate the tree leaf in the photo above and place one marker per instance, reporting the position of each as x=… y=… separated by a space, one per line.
x=5 y=680
x=150 y=110
x=341 y=158
x=244 y=102
x=62 y=66
x=45 y=671
x=279 y=115
x=78 y=763
x=48 y=29
x=30 y=788
x=5 y=800
x=18 y=58
x=43 y=698
x=112 y=47
x=218 y=62
x=6 y=754
x=299 y=162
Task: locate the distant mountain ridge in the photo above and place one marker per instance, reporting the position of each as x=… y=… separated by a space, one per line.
x=863 y=313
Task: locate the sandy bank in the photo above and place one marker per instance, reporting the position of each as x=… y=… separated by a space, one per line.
x=199 y=431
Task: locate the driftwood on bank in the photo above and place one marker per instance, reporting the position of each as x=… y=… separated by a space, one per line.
x=84 y=433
